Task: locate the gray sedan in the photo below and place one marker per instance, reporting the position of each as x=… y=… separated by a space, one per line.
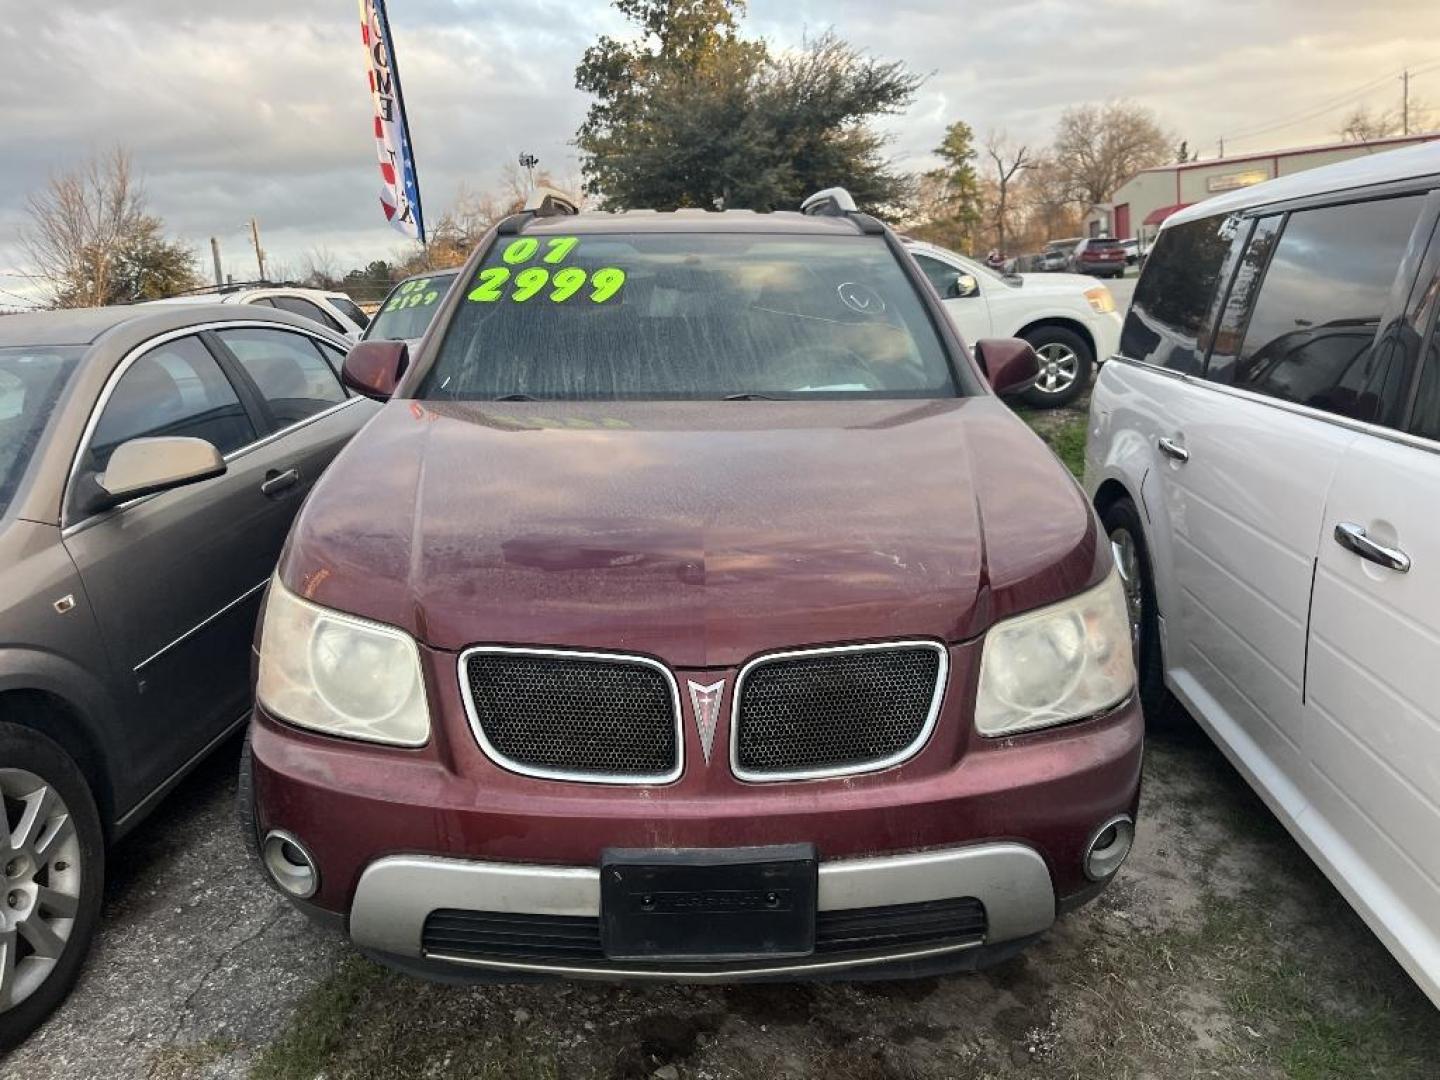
x=151 y=462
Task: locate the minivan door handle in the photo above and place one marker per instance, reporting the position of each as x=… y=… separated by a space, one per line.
x=1171 y=449
x=277 y=482
x=1352 y=538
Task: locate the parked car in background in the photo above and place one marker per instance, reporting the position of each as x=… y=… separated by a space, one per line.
x=693 y=566
x=1055 y=257
x=1070 y=320
x=1132 y=251
x=1099 y=256
x=332 y=310
x=1265 y=457
x=408 y=308
x=151 y=460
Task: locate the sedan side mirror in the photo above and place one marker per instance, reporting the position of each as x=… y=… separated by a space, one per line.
x=373 y=368
x=1010 y=364
x=144 y=466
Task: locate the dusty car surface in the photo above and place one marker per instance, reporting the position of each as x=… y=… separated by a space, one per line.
x=151 y=461
x=693 y=611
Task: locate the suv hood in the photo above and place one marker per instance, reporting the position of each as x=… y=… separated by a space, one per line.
x=698 y=532
x=1038 y=284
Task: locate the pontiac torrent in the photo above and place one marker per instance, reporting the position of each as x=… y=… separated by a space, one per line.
x=693 y=610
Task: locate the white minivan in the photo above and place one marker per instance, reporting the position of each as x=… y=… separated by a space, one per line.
x=1264 y=452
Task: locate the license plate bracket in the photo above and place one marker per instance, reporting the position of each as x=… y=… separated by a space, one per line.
x=708 y=904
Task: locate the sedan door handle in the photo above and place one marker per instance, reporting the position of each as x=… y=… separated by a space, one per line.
x=1352 y=538
x=277 y=482
x=1171 y=449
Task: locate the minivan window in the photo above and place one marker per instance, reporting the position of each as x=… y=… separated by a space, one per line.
x=1168 y=315
x=174 y=389
x=30 y=383
x=1230 y=327
x=1425 y=420
x=689 y=315
x=1311 y=333
x=350 y=310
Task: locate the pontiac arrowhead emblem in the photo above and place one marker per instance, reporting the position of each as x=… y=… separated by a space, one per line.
x=705 y=701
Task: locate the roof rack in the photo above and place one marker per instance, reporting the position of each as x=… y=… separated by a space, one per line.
x=542 y=202
x=837 y=202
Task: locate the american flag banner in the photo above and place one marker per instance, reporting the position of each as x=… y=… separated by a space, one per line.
x=399 y=190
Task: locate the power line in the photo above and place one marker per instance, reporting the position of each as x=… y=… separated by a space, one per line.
x=1331 y=104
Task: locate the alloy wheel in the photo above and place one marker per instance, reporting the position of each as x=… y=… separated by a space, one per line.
x=1059 y=367
x=1127 y=563
x=40 y=879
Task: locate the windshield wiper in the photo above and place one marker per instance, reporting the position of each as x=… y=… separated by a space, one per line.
x=515 y=397
x=750 y=396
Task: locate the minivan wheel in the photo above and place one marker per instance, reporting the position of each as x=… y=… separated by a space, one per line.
x=52 y=876
x=1065 y=362
x=1132 y=561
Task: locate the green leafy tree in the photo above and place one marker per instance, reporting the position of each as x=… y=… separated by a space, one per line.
x=952 y=206
x=692 y=114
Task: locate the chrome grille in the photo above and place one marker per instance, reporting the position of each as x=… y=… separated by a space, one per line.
x=828 y=712
x=574 y=716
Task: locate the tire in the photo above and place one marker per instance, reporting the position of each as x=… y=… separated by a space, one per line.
x=1074 y=361
x=1149 y=662
x=68 y=858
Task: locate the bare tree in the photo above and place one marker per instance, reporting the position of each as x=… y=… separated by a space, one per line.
x=1008 y=162
x=321 y=269
x=79 y=221
x=92 y=243
x=1099 y=147
x=1047 y=196
x=1362 y=125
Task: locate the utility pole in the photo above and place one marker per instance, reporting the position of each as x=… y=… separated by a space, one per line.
x=259 y=252
x=528 y=163
x=1405 y=102
x=215 y=253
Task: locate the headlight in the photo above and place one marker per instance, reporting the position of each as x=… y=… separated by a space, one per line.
x=1100 y=299
x=1063 y=662
x=338 y=674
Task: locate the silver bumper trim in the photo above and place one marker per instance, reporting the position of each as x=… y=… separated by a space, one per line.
x=397 y=893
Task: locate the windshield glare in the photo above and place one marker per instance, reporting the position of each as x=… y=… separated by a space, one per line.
x=687 y=316
x=30 y=383
x=407 y=311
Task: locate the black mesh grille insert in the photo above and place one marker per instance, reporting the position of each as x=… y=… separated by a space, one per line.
x=834 y=710
x=561 y=939
x=574 y=715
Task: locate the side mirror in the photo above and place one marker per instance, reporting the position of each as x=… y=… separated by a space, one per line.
x=145 y=466
x=1010 y=364
x=964 y=286
x=373 y=368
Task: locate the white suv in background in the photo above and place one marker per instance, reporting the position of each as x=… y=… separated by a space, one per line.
x=1265 y=456
x=333 y=310
x=1069 y=319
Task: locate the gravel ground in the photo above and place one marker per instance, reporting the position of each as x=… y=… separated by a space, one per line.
x=1220 y=951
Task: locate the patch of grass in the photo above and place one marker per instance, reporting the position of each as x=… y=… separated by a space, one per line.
x=1063 y=431
x=368 y=1023
x=181 y=1060
x=319 y=1023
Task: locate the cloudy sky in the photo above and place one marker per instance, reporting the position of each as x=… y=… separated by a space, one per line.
x=260 y=108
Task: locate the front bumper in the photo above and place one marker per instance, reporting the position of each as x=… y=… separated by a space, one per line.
x=397 y=895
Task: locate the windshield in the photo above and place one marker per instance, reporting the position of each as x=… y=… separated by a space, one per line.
x=30 y=383
x=689 y=315
x=407 y=311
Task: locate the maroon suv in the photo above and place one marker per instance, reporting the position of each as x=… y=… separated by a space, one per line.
x=693 y=610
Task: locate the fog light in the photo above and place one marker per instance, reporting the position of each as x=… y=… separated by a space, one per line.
x=1108 y=847
x=290 y=865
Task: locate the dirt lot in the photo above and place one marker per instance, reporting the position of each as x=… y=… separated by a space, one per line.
x=1219 y=952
